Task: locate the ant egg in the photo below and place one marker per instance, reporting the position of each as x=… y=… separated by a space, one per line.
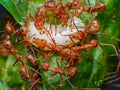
x=49 y=33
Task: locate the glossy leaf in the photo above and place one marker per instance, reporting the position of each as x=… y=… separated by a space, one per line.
x=11 y=7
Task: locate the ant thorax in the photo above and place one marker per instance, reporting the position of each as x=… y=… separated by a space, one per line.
x=62 y=34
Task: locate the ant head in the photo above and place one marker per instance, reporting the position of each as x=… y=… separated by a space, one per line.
x=79 y=11
x=8 y=25
x=45 y=66
x=50 y=4
x=94 y=43
x=101 y=7
x=40 y=11
x=19 y=58
x=94 y=23
x=64 y=15
x=7 y=44
x=69 y=4
x=39 y=24
x=23 y=31
x=41 y=43
x=30 y=56
x=72 y=71
x=75 y=3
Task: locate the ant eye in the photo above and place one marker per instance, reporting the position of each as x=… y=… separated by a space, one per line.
x=79 y=30
x=75 y=3
x=41 y=40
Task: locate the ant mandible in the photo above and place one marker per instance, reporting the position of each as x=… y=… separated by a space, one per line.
x=41 y=43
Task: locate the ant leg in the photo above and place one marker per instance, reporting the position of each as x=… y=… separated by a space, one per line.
x=60 y=84
x=19 y=58
x=51 y=37
x=90 y=6
x=94 y=16
x=35 y=71
x=69 y=37
x=51 y=76
x=55 y=26
x=67 y=78
x=112 y=73
x=33 y=84
x=83 y=40
x=112 y=81
x=117 y=51
x=107 y=33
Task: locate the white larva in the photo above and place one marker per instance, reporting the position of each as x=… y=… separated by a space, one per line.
x=59 y=39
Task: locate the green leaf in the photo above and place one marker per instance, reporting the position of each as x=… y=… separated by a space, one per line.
x=3 y=86
x=11 y=7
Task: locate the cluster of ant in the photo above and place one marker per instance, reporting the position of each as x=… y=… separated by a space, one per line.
x=61 y=14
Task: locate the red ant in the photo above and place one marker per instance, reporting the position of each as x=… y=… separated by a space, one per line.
x=35 y=79
x=9 y=27
x=50 y=5
x=26 y=40
x=41 y=43
x=99 y=7
x=25 y=75
x=59 y=11
x=3 y=51
x=79 y=9
x=71 y=55
x=8 y=45
x=46 y=67
x=39 y=22
x=74 y=4
x=72 y=71
x=24 y=72
x=93 y=43
x=30 y=57
x=64 y=19
x=93 y=27
x=77 y=35
x=24 y=30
